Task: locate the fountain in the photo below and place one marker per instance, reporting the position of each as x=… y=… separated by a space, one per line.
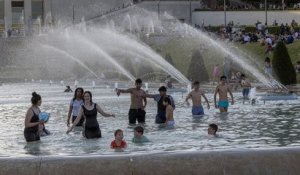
x=98 y=49
x=39 y=25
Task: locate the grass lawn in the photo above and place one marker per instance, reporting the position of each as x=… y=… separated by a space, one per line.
x=181 y=49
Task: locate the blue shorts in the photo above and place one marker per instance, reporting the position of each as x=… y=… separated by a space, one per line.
x=223 y=104
x=246 y=92
x=197 y=110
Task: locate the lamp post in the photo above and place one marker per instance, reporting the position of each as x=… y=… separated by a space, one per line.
x=190 y=11
x=266 y=11
x=224 y=13
x=73 y=14
x=158 y=9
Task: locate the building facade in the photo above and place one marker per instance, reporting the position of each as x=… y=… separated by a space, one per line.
x=24 y=17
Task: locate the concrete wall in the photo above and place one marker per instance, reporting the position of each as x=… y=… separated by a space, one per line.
x=281 y=161
x=178 y=9
x=244 y=17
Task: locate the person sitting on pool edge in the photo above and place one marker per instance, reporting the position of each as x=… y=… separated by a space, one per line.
x=139 y=135
x=118 y=143
x=212 y=129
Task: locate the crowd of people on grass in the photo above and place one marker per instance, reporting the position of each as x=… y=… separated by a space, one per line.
x=288 y=33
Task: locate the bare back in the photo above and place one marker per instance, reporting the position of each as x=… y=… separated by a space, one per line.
x=169 y=113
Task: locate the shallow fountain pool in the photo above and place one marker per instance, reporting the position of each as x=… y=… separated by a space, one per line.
x=274 y=124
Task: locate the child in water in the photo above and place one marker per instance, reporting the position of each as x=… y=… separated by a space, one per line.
x=169 y=113
x=139 y=135
x=118 y=143
x=212 y=129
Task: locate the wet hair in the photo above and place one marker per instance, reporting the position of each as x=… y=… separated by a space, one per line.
x=35 y=98
x=88 y=92
x=138 y=81
x=214 y=126
x=117 y=131
x=162 y=89
x=223 y=77
x=167 y=99
x=196 y=83
x=75 y=93
x=139 y=129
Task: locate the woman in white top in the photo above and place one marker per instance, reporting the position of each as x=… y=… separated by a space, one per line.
x=75 y=105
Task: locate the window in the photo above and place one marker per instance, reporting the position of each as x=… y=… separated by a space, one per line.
x=37 y=9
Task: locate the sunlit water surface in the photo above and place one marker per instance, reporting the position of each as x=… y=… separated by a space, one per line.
x=274 y=124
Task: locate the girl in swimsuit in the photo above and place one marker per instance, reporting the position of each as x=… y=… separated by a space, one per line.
x=32 y=121
x=89 y=111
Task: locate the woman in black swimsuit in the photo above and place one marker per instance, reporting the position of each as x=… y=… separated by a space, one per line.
x=89 y=111
x=32 y=121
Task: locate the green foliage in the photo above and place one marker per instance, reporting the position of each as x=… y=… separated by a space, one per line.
x=283 y=66
x=274 y=29
x=250 y=29
x=169 y=59
x=197 y=70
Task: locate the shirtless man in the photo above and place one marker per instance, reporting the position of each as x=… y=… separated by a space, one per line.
x=195 y=95
x=222 y=89
x=138 y=102
x=246 y=85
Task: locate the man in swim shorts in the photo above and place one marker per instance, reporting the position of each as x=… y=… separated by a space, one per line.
x=222 y=89
x=195 y=95
x=138 y=102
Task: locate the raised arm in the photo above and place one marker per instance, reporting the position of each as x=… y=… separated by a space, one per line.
x=78 y=118
x=28 y=117
x=149 y=95
x=119 y=91
x=69 y=115
x=104 y=113
x=203 y=95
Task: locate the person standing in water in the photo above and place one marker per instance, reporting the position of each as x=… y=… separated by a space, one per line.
x=32 y=121
x=195 y=95
x=138 y=102
x=246 y=85
x=222 y=89
x=89 y=111
x=75 y=105
x=161 y=108
x=170 y=122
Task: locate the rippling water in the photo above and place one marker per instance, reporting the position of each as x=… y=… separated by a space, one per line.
x=274 y=124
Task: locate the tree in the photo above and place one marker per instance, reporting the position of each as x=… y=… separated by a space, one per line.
x=197 y=70
x=169 y=59
x=283 y=66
